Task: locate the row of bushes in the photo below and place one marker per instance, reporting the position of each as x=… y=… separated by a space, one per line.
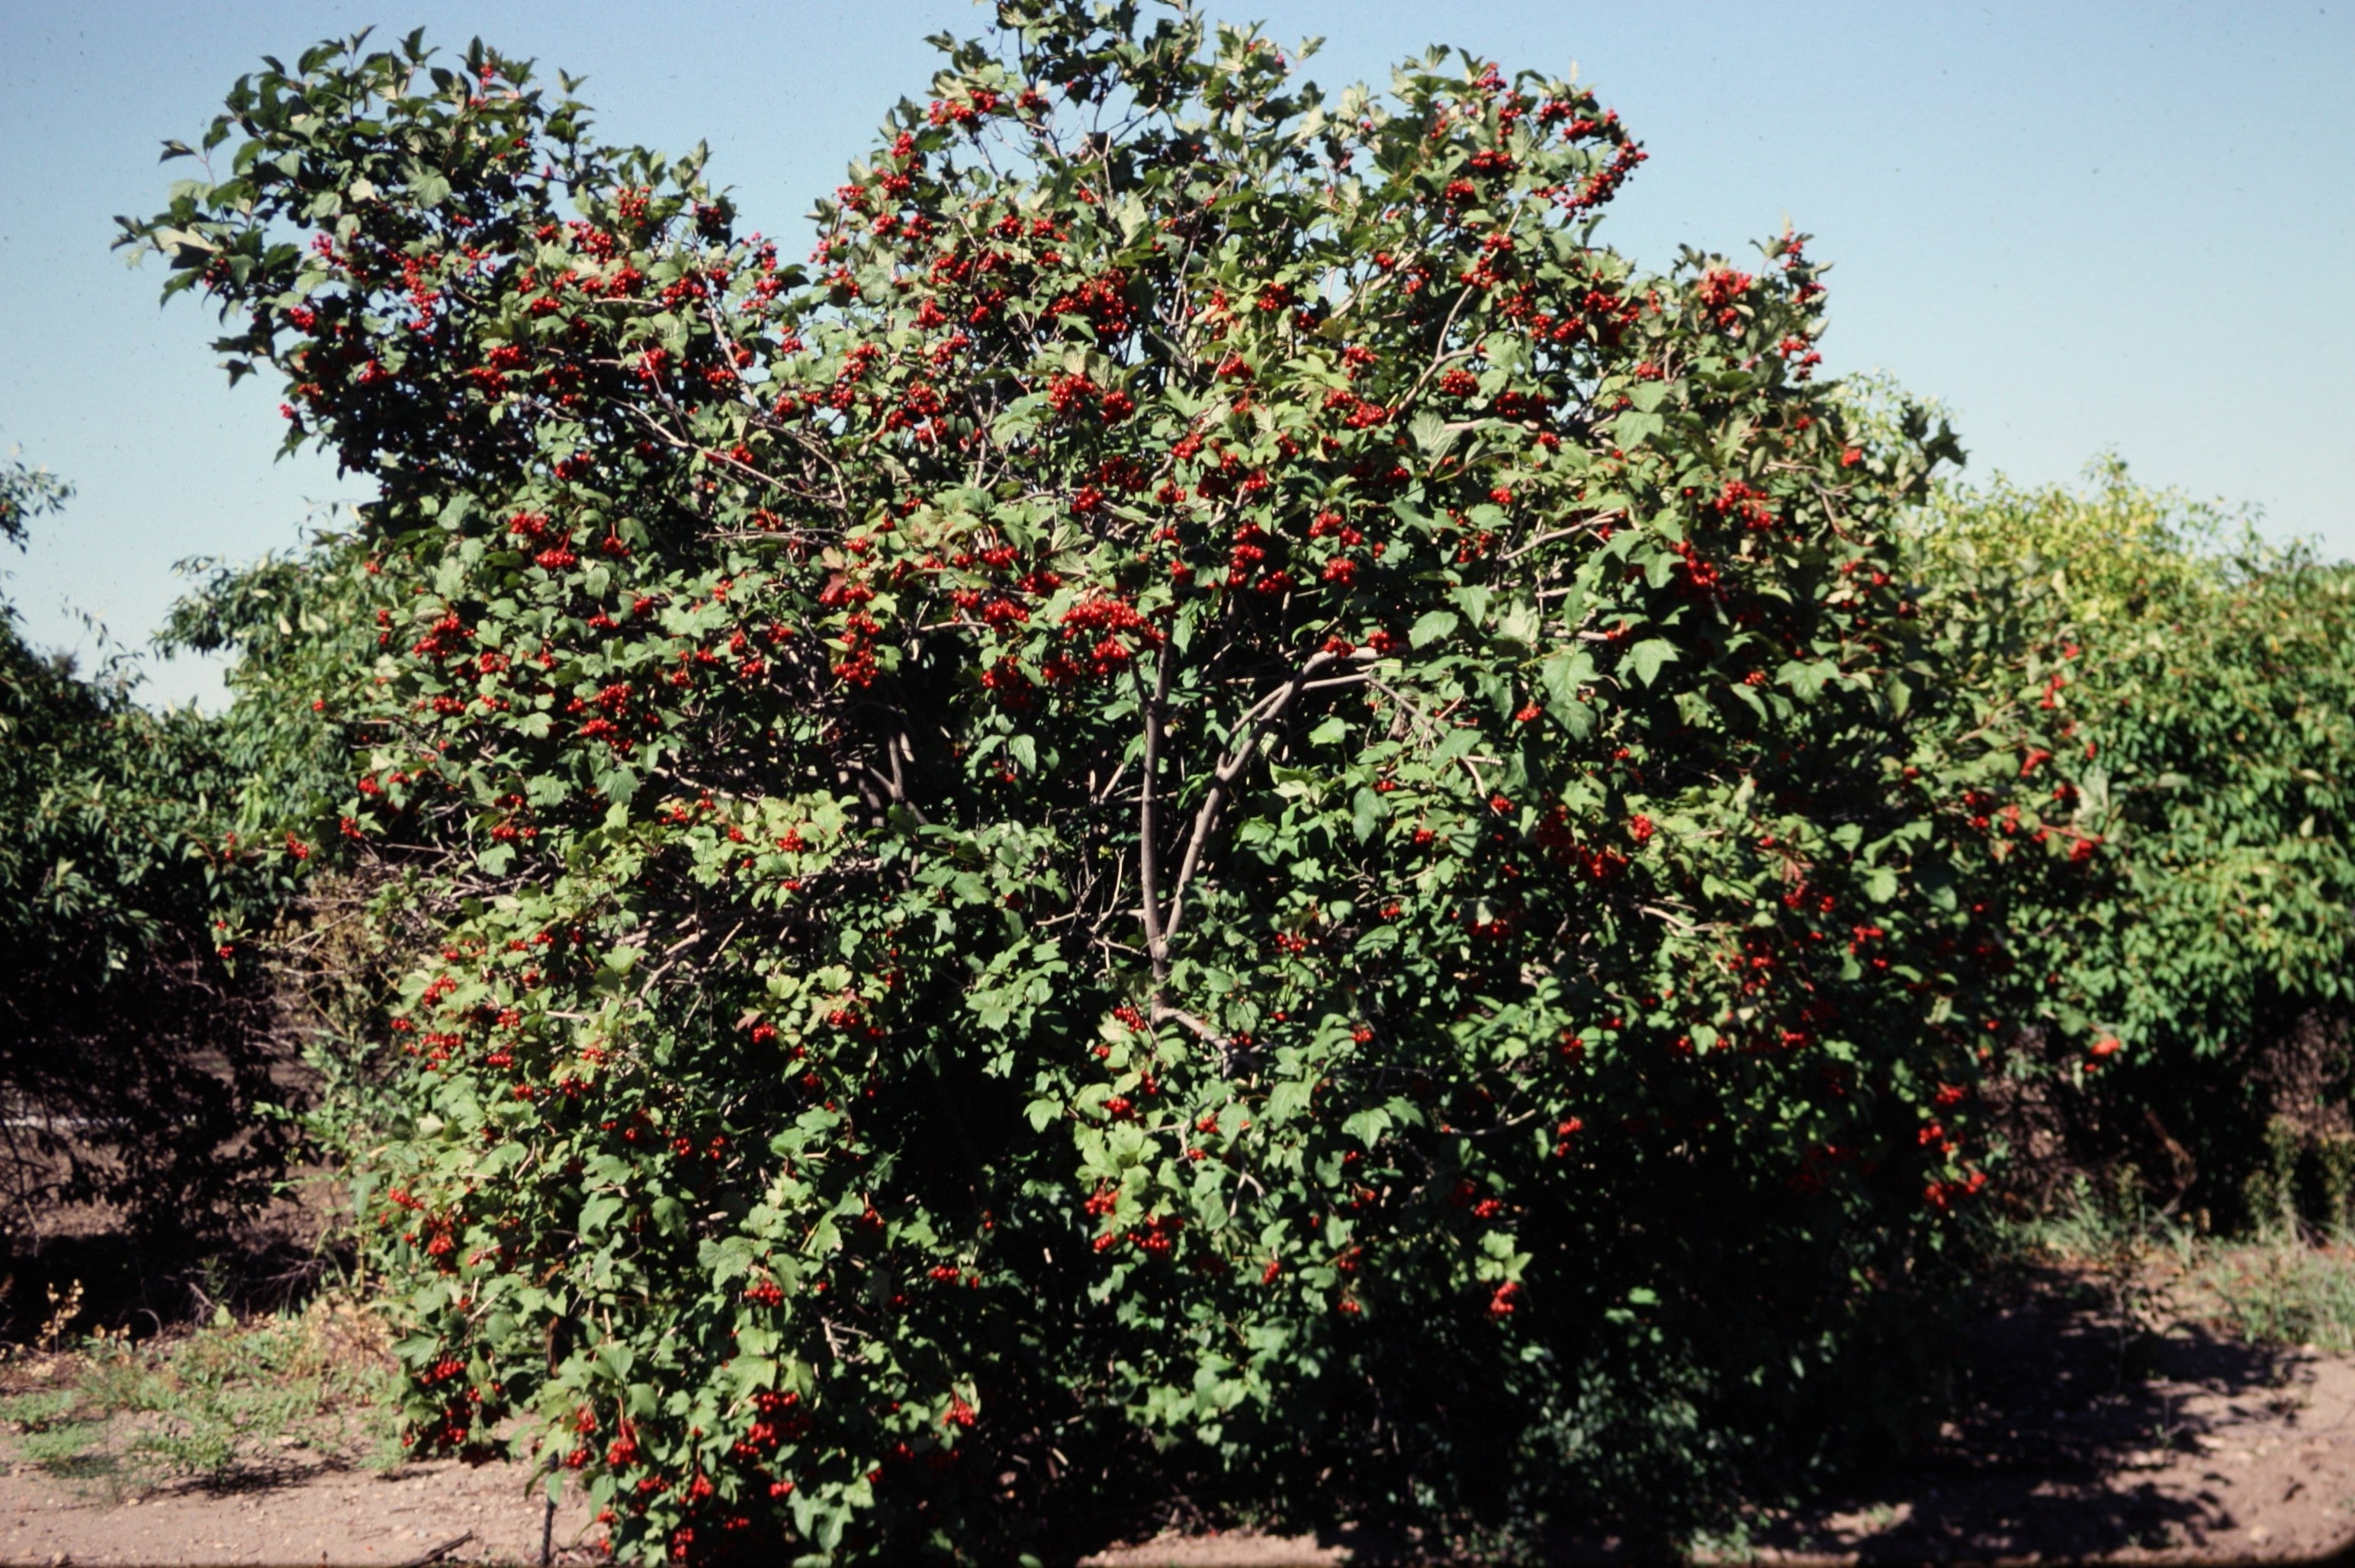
x=2208 y=964
x=1218 y=810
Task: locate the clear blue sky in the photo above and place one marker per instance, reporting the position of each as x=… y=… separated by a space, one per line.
x=2083 y=226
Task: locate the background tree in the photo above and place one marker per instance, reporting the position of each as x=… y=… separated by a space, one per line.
x=135 y=1040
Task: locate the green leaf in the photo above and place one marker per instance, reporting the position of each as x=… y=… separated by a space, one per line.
x=1805 y=678
x=1646 y=657
x=1633 y=429
x=1431 y=627
x=1565 y=673
x=1431 y=435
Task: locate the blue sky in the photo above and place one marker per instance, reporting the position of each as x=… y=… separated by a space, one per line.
x=2084 y=227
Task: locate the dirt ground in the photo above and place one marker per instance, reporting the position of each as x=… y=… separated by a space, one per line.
x=441 y=1512
x=2080 y=1444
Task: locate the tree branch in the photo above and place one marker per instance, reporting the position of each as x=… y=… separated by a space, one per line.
x=1156 y=942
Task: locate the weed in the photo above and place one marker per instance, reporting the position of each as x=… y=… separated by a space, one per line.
x=2119 y=1247
x=2279 y=1291
x=65 y=1305
x=2278 y=1287
x=56 y=1431
x=228 y=1400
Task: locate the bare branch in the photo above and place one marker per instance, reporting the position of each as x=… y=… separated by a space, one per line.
x=1551 y=535
x=1256 y=720
x=1164 y=1013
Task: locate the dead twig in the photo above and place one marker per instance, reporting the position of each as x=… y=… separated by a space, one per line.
x=435 y=1554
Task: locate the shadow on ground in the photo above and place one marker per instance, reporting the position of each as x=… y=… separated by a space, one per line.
x=2079 y=1436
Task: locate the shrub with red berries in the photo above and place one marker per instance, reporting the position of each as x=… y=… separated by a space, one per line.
x=1216 y=802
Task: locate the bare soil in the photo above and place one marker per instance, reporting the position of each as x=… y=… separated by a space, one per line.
x=2082 y=1442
